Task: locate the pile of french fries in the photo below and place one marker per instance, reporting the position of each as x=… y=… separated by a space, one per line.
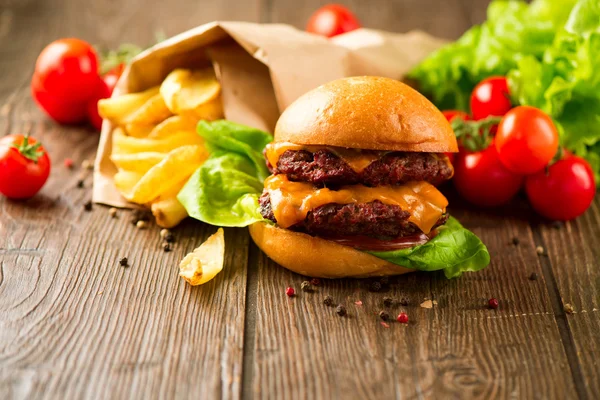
x=155 y=145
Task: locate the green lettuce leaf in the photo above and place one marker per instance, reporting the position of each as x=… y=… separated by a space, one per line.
x=224 y=191
x=513 y=30
x=565 y=82
x=454 y=249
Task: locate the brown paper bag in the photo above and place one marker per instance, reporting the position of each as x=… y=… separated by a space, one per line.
x=262 y=69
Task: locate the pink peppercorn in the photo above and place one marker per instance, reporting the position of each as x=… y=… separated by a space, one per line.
x=402 y=318
x=290 y=291
x=68 y=163
x=493 y=303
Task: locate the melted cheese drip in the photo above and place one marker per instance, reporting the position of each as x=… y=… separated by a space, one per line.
x=291 y=201
x=357 y=159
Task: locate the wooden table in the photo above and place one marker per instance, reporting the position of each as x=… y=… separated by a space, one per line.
x=74 y=324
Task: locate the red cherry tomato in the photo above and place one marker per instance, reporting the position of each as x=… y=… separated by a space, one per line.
x=24 y=166
x=564 y=192
x=112 y=77
x=450 y=115
x=65 y=78
x=102 y=92
x=332 y=20
x=526 y=140
x=481 y=178
x=490 y=98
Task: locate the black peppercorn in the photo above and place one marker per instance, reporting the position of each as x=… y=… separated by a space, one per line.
x=328 y=301
x=515 y=241
x=80 y=183
x=404 y=301
x=166 y=247
x=169 y=238
x=305 y=286
x=123 y=262
x=384 y=316
x=533 y=276
x=88 y=206
x=388 y=301
x=375 y=286
x=340 y=310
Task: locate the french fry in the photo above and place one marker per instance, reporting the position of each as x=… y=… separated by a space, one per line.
x=173 y=125
x=118 y=109
x=205 y=262
x=125 y=144
x=138 y=130
x=125 y=181
x=210 y=111
x=137 y=162
x=168 y=212
x=178 y=165
x=151 y=112
x=185 y=90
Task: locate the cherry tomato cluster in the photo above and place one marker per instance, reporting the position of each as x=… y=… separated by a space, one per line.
x=66 y=83
x=519 y=149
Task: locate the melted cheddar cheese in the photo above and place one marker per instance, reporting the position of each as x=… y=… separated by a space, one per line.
x=357 y=159
x=291 y=201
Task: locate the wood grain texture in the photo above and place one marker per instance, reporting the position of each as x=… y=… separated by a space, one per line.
x=574 y=254
x=73 y=323
x=457 y=349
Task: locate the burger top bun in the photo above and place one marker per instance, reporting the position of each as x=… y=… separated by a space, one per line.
x=315 y=257
x=366 y=112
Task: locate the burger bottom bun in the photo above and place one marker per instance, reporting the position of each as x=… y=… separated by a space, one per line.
x=316 y=257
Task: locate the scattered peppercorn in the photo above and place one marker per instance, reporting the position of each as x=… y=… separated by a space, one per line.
x=516 y=241
x=402 y=318
x=80 y=183
x=375 y=286
x=141 y=224
x=68 y=163
x=315 y=281
x=388 y=301
x=112 y=212
x=557 y=224
x=164 y=233
x=87 y=164
x=141 y=215
x=170 y=238
x=404 y=301
x=328 y=301
x=166 y=246
x=340 y=310
x=569 y=309
x=533 y=276
x=493 y=303
x=384 y=315
x=123 y=262
x=87 y=206
x=305 y=286
x=539 y=250
x=290 y=291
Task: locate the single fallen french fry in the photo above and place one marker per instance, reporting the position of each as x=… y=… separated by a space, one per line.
x=205 y=262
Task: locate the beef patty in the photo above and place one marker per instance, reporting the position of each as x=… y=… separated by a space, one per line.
x=325 y=168
x=374 y=219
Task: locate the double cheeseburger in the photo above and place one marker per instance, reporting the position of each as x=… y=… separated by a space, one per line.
x=355 y=164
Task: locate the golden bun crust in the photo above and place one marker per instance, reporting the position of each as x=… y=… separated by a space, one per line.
x=366 y=112
x=316 y=257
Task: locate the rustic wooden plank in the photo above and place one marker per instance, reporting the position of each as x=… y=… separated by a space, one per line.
x=73 y=323
x=448 y=19
x=574 y=256
x=458 y=348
